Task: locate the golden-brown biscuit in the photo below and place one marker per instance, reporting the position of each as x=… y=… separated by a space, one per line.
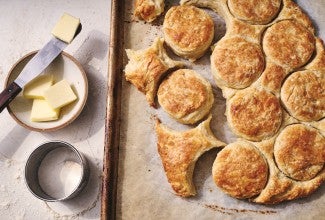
x=240 y=170
x=146 y=68
x=188 y=30
x=303 y=95
x=236 y=63
x=254 y=114
x=279 y=186
x=289 y=44
x=255 y=11
x=299 y=152
x=186 y=96
x=179 y=152
x=148 y=10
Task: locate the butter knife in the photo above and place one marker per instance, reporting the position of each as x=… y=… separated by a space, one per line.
x=34 y=67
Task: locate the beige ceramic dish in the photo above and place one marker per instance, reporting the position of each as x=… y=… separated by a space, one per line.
x=65 y=67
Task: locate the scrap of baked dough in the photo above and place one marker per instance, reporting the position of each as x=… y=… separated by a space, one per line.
x=148 y=10
x=318 y=63
x=179 y=151
x=146 y=68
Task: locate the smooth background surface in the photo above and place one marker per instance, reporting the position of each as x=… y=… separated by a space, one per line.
x=26 y=26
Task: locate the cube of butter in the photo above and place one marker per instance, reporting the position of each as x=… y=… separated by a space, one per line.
x=42 y=111
x=59 y=95
x=66 y=28
x=35 y=89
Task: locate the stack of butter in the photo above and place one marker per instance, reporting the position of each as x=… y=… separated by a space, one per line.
x=48 y=97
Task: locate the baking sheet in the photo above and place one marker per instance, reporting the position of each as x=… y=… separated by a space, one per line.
x=143 y=191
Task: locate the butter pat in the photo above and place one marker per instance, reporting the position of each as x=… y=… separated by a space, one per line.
x=59 y=95
x=42 y=111
x=35 y=89
x=66 y=28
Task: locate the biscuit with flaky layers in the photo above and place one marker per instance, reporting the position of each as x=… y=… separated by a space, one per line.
x=186 y=96
x=189 y=31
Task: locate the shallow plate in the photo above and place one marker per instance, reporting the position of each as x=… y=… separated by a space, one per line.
x=63 y=67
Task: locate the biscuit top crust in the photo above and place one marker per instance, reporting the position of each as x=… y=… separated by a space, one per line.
x=236 y=62
x=254 y=114
x=299 y=151
x=240 y=170
x=289 y=44
x=303 y=94
x=255 y=11
x=188 y=27
x=183 y=92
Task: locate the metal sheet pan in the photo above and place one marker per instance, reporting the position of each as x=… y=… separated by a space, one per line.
x=134 y=183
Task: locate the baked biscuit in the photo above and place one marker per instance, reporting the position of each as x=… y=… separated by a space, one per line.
x=279 y=186
x=255 y=11
x=148 y=10
x=299 y=152
x=236 y=63
x=303 y=95
x=289 y=44
x=179 y=152
x=146 y=68
x=188 y=30
x=254 y=114
x=186 y=96
x=240 y=170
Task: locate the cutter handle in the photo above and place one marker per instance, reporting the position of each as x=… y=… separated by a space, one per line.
x=8 y=94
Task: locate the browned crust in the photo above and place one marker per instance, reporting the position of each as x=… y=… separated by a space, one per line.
x=146 y=68
x=318 y=63
x=303 y=94
x=240 y=170
x=273 y=77
x=300 y=152
x=188 y=30
x=254 y=114
x=280 y=187
x=148 y=10
x=292 y=11
x=185 y=92
x=245 y=30
x=255 y=11
x=179 y=152
x=236 y=62
x=288 y=44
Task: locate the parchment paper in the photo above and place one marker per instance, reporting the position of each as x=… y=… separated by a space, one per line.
x=143 y=189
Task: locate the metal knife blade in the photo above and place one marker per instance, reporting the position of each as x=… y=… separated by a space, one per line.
x=34 y=67
x=40 y=61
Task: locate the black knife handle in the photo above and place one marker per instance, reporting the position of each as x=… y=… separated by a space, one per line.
x=8 y=94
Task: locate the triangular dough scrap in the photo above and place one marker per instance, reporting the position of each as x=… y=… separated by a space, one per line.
x=179 y=151
x=291 y=10
x=146 y=68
